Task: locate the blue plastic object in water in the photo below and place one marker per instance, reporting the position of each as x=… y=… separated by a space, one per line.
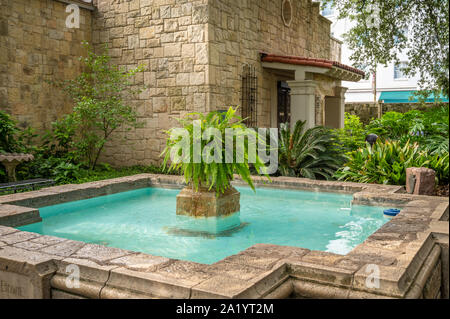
x=392 y=212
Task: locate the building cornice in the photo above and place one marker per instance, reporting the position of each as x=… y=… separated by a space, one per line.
x=80 y=3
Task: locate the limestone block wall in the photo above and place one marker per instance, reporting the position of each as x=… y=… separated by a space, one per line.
x=368 y=111
x=336 y=49
x=169 y=37
x=239 y=31
x=36 y=46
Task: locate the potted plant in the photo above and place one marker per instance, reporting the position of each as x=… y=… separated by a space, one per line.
x=201 y=151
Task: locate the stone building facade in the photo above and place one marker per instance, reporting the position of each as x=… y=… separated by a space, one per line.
x=35 y=46
x=273 y=58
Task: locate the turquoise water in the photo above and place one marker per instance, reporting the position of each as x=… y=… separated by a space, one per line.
x=145 y=221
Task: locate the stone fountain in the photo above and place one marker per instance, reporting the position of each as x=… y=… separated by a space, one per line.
x=11 y=160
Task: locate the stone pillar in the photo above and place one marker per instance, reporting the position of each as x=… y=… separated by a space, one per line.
x=25 y=274
x=205 y=212
x=340 y=92
x=332 y=112
x=340 y=95
x=335 y=108
x=303 y=102
x=420 y=181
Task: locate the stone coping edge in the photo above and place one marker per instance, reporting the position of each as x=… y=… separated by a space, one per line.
x=400 y=249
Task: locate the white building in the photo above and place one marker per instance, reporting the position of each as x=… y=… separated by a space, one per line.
x=392 y=85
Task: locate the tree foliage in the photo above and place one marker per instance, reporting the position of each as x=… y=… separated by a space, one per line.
x=99 y=110
x=378 y=37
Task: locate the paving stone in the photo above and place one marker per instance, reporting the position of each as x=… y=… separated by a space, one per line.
x=7 y=230
x=100 y=253
x=186 y=270
x=64 y=249
x=261 y=262
x=276 y=251
x=47 y=240
x=321 y=257
x=18 y=256
x=18 y=237
x=238 y=271
x=28 y=245
x=141 y=262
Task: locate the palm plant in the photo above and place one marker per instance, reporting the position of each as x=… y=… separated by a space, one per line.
x=311 y=153
x=210 y=173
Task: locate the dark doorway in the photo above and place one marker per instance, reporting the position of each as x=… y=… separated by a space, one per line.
x=284 y=103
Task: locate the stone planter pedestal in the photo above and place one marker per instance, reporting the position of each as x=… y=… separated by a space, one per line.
x=203 y=211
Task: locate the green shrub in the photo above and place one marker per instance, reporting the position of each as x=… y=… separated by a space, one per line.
x=9 y=134
x=386 y=163
x=66 y=173
x=99 y=109
x=394 y=125
x=311 y=153
x=353 y=135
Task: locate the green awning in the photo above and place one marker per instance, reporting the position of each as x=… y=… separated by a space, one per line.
x=406 y=97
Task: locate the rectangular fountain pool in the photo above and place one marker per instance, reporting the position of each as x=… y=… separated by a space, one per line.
x=145 y=221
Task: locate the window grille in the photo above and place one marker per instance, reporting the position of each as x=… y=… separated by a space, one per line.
x=249 y=96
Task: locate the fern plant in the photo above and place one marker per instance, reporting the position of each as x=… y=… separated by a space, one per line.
x=311 y=153
x=212 y=174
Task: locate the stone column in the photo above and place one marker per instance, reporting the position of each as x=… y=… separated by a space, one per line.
x=303 y=102
x=335 y=108
x=339 y=92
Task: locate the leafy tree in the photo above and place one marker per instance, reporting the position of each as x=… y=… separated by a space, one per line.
x=99 y=109
x=378 y=37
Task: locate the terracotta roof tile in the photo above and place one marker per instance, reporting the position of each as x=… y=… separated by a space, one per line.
x=296 y=60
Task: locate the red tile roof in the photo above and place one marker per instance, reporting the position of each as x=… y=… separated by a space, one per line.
x=296 y=60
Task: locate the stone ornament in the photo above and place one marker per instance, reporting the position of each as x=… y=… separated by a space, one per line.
x=287 y=12
x=11 y=160
x=420 y=181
